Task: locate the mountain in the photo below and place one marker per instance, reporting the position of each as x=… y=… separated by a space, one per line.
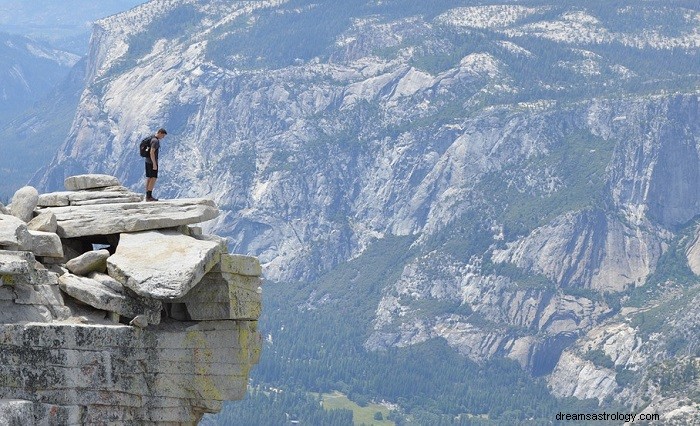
x=65 y=25
x=41 y=75
x=32 y=78
x=512 y=183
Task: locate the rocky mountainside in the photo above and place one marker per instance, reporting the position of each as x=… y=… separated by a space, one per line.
x=539 y=160
x=118 y=311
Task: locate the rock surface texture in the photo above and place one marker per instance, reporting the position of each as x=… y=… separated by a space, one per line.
x=165 y=336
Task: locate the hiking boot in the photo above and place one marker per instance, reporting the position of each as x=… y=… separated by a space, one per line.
x=151 y=199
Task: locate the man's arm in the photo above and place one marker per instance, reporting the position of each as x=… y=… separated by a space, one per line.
x=152 y=153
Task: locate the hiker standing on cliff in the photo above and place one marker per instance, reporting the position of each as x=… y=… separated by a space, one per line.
x=152 y=163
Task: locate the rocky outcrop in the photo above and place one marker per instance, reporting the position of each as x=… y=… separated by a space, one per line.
x=157 y=325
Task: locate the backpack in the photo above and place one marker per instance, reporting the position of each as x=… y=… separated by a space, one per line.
x=145 y=146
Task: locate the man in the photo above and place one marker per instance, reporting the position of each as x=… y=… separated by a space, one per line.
x=152 y=163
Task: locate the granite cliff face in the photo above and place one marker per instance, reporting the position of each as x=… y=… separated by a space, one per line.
x=543 y=170
x=115 y=310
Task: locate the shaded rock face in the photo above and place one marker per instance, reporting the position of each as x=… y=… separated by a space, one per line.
x=131 y=345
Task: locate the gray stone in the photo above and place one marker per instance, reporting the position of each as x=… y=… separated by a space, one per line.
x=139 y=321
x=11 y=312
x=3 y=210
x=14 y=234
x=90 y=181
x=54 y=199
x=45 y=222
x=16 y=412
x=239 y=264
x=112 y=194
x=162 y=264
x=223 y=295
x=105 y=219
x=106 y=280
x=102 y=297
x=15 y=263
x=24 y=202
x=46 y=244
x=92 y=261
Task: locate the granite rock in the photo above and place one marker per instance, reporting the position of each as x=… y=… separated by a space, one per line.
x=92 y=261
x=14 y=234
x=43 y=222
x=90 y=181
x=105 y=219
x=24 y=202
x=172 y=264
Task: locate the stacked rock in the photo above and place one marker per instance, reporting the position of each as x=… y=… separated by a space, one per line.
x=117 y=310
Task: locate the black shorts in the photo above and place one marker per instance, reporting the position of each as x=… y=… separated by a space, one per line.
x=150 y=173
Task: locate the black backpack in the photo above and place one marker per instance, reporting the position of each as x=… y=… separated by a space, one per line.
x=145 y=146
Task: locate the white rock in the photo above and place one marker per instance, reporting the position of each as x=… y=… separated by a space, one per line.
x=46 y=244
x=24 y=202
x=14 y=234
x=106 y=219
x=45 y=221
x=90 y=181
x=162 y=264
x=239 y=264
x=102 y=297
x=92 y=261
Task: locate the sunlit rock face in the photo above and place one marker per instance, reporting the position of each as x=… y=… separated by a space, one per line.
x=107 y=328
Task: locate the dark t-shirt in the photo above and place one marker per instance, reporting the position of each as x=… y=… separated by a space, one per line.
x=155 y=146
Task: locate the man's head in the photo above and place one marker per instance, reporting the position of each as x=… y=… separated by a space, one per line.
x=160 y=134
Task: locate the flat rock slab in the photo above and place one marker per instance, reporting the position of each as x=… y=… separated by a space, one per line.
x=105 y=219
x=104 y=297
x=115 y=194
x=90 y=181
x=162 y=264
x=13 y=233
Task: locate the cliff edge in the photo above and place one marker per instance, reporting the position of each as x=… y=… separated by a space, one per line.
x=117 y=310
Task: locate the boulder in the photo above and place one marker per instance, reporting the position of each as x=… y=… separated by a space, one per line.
x=223 y=295
x=92 y=261
x=24 y=202
x=45 y=221
x=106 y=219
x=90 y=181
x=162 y=264
x=103 y=297
x=46 y=244
x=14 y=234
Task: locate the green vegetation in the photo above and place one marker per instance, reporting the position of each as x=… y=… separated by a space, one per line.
x=655 y=319
x=317 y=335
x=672 y=271
x=371 y=414
x=578 y=161
x=675 y=374
x=599 y=358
